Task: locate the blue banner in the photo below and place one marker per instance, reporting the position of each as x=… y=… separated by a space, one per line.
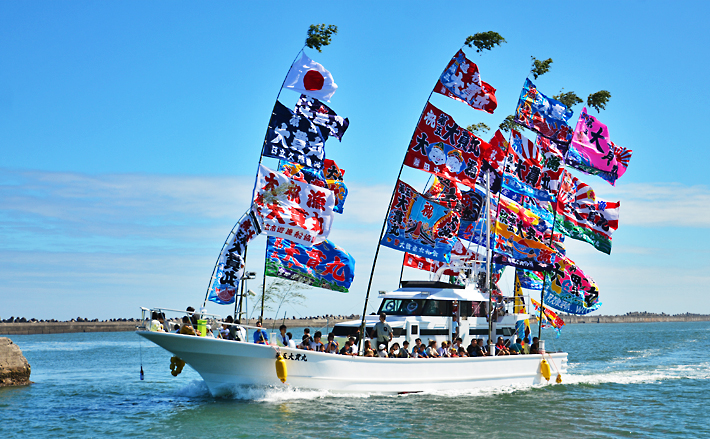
x=324 y=265
x=529 y=279
x=544 y=115
x=419 y=226
x=567 y=302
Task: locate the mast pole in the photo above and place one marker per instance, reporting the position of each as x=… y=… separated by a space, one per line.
x=488 y=261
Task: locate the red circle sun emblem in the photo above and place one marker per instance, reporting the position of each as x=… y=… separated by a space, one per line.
x=313 y=80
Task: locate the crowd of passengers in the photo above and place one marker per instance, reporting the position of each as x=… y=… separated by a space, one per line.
x=381 y=334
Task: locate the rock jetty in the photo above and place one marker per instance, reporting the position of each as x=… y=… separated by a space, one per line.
x=14 y=368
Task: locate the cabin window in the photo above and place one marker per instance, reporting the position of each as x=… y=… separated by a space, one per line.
x=437 y=308
x=402 y=307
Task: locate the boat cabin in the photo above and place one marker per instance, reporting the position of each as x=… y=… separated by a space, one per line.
x=425 y=310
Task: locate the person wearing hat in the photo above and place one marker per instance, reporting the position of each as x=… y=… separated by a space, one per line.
x=382 y=331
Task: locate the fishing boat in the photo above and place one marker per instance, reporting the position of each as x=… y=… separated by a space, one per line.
x=429 y=228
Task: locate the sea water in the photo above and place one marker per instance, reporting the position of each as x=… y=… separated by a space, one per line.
x=624 y=380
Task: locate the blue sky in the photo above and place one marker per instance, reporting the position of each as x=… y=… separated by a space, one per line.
x=130 y=134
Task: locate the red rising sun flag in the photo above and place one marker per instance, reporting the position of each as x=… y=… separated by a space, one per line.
x=461 y=81
x=310 y=78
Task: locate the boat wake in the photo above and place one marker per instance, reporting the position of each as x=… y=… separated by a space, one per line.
x=694 y=372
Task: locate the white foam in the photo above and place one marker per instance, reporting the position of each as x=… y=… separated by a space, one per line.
x=697 y=372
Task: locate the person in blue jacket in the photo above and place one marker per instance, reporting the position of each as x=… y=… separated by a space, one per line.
x=260 y=335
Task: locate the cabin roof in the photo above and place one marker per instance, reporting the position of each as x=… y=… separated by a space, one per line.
x=435 y=291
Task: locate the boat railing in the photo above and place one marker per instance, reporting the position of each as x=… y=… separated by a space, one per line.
x=211 y=324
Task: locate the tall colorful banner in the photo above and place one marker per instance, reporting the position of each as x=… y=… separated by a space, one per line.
x=462 y=82
x=324 y=265
x=294 y=138
x=230 y=265
x=548 y=316
x=622 y=156
x=292 y=209
x=568 y=289
x=518 y=237
x=532 y=169
x=420 y=226
x=443 y=148
x=543 y=115
x=331 y=177
x=581 y=216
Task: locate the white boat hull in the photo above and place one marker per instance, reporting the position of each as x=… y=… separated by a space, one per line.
x=225 y=364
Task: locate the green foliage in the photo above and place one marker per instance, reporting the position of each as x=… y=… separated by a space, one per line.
x=279 y=292
x=319 y=35
x=478 y=128
x=507 y=124
x=539 y=67
x=484 y=40
x=599 y=100
x=570 y=98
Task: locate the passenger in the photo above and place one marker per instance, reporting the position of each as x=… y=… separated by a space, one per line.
x=307 y=332
x=443 y=351
x=382 y=351
x=367 y=350
x=260 y=335
x=417 y=343
x=516 y=348
x=480 y=349
x=455 y=327
x=500 y=347
x=155 y=324
x=422 y=351
x=291 y=341
x=471 y=349
x=347 y=349
x=415 y=352
x=187 y=328
x=283 y=338
x=453 y=353
x=432 y=352
x=332 y=346
x=535 y=347
x=462 y=352
x=316 y=344
x=526 y=346
x=305 y=343
x=458 y=344
x=382 y=332
x=394 y=351
x=193 y=316
x=404 y=352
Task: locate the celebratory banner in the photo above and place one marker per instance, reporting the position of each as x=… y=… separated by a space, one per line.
x=549 y=316
x=230 y=265
x=529 y=279
x=310 y=78
x=330 y=177
x=591 y=144
x=496 y=152
x=445 y=192
x=459 y=254
x=420 y=226
x=568 y=289
x=543 y=115
x=518 y=237
x=581 y=162
x=474 y=230
x=322 y=115
x=439 y=146
x=294 y=138
x=532 y=169
x=324 y=265
x=581 y=216
x=293 y=209
x=462 y=82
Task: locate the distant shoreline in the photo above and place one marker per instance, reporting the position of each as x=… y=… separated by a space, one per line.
x=33 y=328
